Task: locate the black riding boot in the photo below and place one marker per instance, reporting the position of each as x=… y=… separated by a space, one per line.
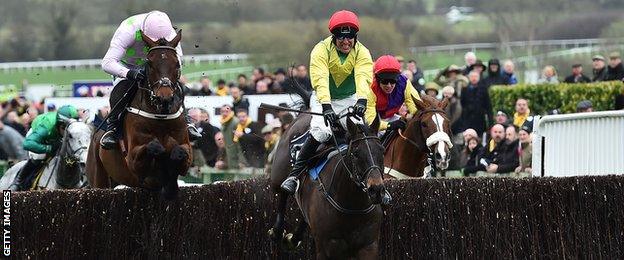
x=193 y=132
x=110 y=138
x=307 y=151
x=20 y=182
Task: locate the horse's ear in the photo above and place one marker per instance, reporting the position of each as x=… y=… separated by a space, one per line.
x=374 y=127
x=148 y=41
x=174 y=43
x=351 y=127
x=421 y=106
x=442 y=105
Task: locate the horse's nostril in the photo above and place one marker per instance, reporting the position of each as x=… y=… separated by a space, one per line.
x=438 y=156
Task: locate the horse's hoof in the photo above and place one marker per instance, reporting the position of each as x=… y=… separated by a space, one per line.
x=290 y=244
x=154 y=148
x=178 y=154
x=273 y=235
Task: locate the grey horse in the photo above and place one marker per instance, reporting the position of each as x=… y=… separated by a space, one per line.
x=66 y=169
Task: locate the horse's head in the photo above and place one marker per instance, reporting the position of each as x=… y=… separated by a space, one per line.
x=76 y=144
x=163 y=72
x=432 y=123
x=366 y=155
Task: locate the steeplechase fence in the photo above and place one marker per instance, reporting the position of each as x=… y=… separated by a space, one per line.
x=491 y=218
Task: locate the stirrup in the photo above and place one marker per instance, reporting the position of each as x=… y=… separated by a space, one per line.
x=108 y=134
x=287 y=187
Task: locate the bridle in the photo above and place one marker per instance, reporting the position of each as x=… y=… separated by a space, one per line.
x=69 y=154
x=152 y=87
x=360 y=179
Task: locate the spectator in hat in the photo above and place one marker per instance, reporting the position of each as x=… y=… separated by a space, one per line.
x=600 y=69
x=222 y=89
x=584 y=106
x=431 y=89
x=508 y=71
x=478 y=66
x=451 y=76
x=501 y=118
x=495 y=77
x=577 y=75
x=616 y=69
x=469 y=58
x=522 y=113
x=549 y=76
x=526 y=148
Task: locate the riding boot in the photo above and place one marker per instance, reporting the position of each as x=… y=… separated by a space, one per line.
x=20 y=182
x=110 y=138
x=307 y=151
x=194 y=133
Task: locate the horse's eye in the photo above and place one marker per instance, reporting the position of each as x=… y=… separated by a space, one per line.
x=423 y=124
x=70 y=136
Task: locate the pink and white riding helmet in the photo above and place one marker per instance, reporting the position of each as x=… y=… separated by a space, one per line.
x=157 y=25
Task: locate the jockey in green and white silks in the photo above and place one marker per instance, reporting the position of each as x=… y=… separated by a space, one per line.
x=125 y=60
x=42 y=141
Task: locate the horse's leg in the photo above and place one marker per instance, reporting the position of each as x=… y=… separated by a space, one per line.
x=178 y=163
x=277 y=232
x=293 y=240
x=141 y=158
x=369 y=252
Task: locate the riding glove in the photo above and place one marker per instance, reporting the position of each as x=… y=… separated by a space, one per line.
x=360 y=107
x=397 y=124
x=329 y=115
x=136 y=74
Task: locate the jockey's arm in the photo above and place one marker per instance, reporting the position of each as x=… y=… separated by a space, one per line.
x=410 y=92
x=371 y=111
x=121 y=41
x=363 y=70
x=34 y=141
x=319 y=73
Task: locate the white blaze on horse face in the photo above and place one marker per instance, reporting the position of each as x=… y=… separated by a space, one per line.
x=439 y=122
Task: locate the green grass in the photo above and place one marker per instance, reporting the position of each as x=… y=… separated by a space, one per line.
x=65 y=77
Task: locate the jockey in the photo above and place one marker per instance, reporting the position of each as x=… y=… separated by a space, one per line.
x=341 y=73
x=125 y=60
x=390 y=89
x=42 y=141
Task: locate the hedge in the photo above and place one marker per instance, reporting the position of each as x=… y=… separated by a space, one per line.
x=545 y=97
x=467 y=218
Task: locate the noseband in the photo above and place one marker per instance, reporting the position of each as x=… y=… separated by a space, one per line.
x=434 y=138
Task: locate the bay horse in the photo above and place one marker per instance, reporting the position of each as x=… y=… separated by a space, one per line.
x=424 y=146
x=155 y=148
x=66 y=170
x=340 y=208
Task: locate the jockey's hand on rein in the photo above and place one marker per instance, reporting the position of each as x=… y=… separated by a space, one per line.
x=397 y=124
x=329 y=115
x=360 y=107
x=136 y=74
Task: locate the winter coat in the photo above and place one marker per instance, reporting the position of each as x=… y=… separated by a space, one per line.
x=476 y=108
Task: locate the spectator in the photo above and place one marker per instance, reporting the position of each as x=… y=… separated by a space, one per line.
x=238 y=99
x=501 y=118
x=262 y=88
x=257 y=75
x=470 y=58
x=248 y=135
x=508 y=70
x=401 y=61
x=302 y=77
x=431 y=89
x=549 y=76
x=584 y=106
x=453 y=109
x=459 y=159
x=279 y=83
x=222 y=89
x=418 y=78
x=206 y=144
x=495 y=77
x=221 y=162
x=500 y=156
x=526 y=148
x=577 y=75
x=198 y=156
x=473 y=152
x=478 y=66
x=451 y=76
x=11 y=142
x=228 y=126
x=205 y=87
x=12 y=120
x=522 y=113
x=616 y=70
x=600 y=70
x=476 y=106
x=243 y=84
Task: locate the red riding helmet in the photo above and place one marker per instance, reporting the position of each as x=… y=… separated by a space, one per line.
x=387 y=63
x=344 y=18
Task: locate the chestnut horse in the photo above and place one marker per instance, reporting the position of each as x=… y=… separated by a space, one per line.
x=155 y=134
x=341 y=207
x=423 y=147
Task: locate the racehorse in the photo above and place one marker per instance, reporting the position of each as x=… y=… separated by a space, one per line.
x=425 y=141
x=341 y=206
x=66 y=169
x=155 y=148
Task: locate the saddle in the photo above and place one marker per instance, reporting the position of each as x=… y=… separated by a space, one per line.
x=325 y=152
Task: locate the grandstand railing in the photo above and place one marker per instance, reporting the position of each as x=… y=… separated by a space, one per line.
x=96 y=63
x=579 y=144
